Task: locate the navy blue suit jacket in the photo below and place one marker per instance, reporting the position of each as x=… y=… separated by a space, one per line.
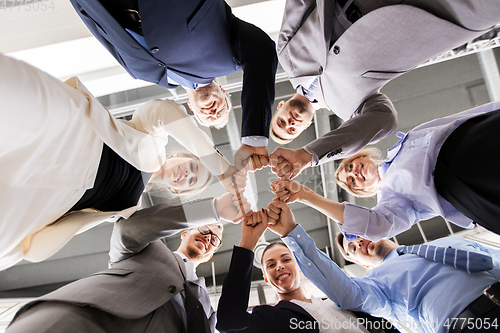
x=231 y=312
x=198 y=40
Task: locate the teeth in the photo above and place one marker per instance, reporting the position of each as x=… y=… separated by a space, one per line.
x=284 y=276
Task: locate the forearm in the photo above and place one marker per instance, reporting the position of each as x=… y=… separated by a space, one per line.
x=332 y=209
x=132 y=235
x=375 y=119
x=257 y=55
x=385 y=220
x=232 y=309
x=322 y=271
x=163 y=118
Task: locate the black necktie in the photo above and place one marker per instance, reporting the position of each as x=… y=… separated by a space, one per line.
x=196 y=318
x=469 y=261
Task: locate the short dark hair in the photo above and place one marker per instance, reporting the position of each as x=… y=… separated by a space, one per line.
x=301 y=107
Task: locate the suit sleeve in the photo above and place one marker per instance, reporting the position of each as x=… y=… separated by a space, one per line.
x=374 y=120
x=132 y=235
x=232 y=312
x=256 y=53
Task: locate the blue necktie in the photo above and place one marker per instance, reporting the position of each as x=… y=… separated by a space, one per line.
x=469 y=261
x=311 y=93
x=172 y=75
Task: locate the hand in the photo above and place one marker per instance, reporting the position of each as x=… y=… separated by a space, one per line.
x=234 y=181
x=231 y=208
x=251 y=158
x=288 y=191
x=253 y=226
x=279 y=212
x=289 y=163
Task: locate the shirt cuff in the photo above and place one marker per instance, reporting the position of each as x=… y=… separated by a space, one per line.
x=315 y=159
x=291 y=239
x=355 y=221
x=255 y=141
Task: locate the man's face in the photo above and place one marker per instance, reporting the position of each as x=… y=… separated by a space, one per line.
x=199 y=247
x=367 y=253
x=209 y=103
x=290 y=119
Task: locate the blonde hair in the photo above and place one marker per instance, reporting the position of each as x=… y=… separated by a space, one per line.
x=372 y=153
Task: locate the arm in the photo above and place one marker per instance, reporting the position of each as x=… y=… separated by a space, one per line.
x=256 y=53
x=374 y=120
x=163 y=118
x=132 y=235
x=348 y=293
x=291 y=191
x=391 y=216
x=232 y=312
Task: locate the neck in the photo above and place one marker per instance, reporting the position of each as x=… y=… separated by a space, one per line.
x=296 y=294
x=194 y=261
x=304 y=100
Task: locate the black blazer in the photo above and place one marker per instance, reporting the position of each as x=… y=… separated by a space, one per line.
x=198 y=40
x=233 y=303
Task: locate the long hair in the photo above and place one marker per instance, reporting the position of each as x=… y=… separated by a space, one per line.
x=372 y=153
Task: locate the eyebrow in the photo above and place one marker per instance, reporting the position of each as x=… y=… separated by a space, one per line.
x=284 y=254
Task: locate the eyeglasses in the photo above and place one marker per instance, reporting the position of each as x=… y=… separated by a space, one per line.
x=214 y=239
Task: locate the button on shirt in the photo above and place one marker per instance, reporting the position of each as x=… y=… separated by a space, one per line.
x=407 y=288
x=407 y=193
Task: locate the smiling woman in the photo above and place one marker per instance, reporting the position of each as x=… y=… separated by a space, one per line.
x=295 y=312
x=182 y=173
x=69 y=165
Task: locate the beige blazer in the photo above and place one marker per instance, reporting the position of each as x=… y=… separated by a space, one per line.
x=51 y=137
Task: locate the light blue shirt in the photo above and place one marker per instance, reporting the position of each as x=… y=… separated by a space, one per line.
x=407 y=193
x=409 y=289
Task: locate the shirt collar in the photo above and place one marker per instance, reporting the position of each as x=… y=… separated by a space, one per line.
x=393 y=254
x=392 y=153
x=190 y=269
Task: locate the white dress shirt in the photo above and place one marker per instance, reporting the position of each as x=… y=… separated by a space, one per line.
x=330 y=318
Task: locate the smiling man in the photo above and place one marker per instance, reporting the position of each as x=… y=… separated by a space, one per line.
x=410 y=289
x=148 y=288
x=339 y=54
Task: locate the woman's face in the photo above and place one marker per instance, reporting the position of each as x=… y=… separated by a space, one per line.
x=281 y=270
x=182 y=174
x=361 y=173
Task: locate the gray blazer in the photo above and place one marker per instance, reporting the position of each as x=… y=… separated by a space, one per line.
x=144 y=273
x=382 y=45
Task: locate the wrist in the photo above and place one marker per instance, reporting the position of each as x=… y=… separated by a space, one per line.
x=306 y=157
x=289 y=230
x=246 y=244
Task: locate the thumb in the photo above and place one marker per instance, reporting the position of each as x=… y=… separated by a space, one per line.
x=280 y=204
